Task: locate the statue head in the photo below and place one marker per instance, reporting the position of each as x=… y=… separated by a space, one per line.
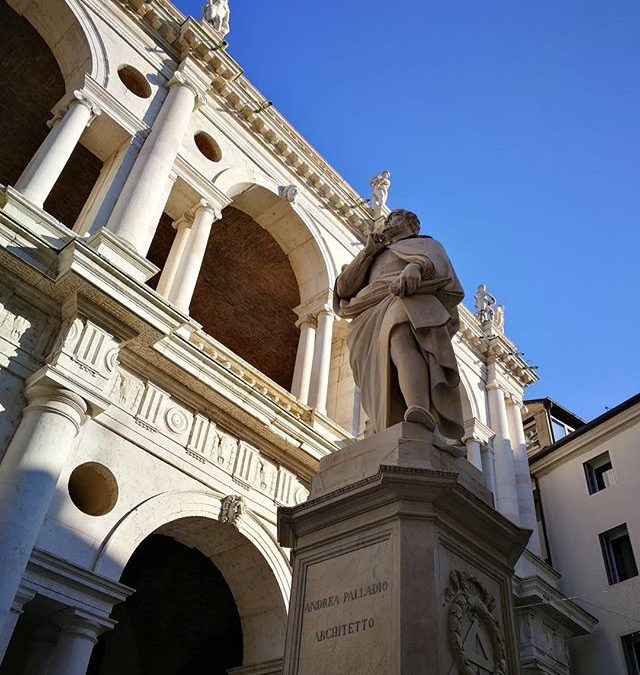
x=400 y=223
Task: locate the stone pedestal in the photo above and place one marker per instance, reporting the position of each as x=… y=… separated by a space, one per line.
x=401 y=565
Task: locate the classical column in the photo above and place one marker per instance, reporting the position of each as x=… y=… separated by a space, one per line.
x=304 y=358
x=188 y=270
x=140 y=205
x=77 y=638
x=42 y=647
x=183 y=229
x=506 y=494
x=321 y=362
x=526 y=504
x=21 y=598
x=107 y=189
x=29 y=472
x=489 y=467
x=45 y=167
x=473 y=452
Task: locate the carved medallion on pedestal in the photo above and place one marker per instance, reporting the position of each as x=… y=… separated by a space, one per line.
x=474 y=634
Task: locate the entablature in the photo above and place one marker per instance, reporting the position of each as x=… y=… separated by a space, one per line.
x=166 y=347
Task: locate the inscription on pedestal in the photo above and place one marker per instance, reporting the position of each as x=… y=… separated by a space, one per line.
x=346 y=613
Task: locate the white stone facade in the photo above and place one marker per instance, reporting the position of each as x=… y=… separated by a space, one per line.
x=181 y=435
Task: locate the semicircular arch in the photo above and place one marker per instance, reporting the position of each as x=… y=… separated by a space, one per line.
x=166 y=507
x=470 y=408
x=247 y=555
x=71 y=34
x=258 y=196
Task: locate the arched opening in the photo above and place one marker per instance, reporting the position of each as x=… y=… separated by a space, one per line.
x=246 y=293
x=262 y=262
x=247 y=557
x=32 y=83
x=181 y=620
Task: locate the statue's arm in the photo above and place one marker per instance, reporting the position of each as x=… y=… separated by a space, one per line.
x=354 y=276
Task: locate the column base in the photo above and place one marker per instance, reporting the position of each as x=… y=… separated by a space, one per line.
x=121 y=255
x=37 y=220
x=401 y=565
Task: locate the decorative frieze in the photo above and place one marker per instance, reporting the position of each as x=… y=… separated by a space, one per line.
x=87 y=352
x=254 y=471
x=127 y=390
x=21 y=324
x=156 y=411
x=289 y=490
x=152 y=407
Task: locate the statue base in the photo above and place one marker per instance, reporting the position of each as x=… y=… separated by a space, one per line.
x=401 y=565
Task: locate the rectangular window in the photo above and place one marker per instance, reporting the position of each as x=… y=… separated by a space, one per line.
x=631 y=646
x=618 y=554
x=531 y=436
x=599 y=473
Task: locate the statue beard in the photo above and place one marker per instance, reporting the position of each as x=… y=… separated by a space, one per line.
x=393 y=233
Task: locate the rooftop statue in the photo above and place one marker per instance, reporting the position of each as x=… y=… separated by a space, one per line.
x=498 y=318
x=401 y=294
x=216 y=14
x=380 y=185
x=484 y=304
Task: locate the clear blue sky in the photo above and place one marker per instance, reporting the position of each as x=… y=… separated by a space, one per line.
x=511 y=128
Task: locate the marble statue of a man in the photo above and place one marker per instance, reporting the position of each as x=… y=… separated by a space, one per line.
x=401 y=294
x=216 y=13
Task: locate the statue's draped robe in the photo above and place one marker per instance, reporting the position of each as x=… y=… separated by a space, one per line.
x=362 y=295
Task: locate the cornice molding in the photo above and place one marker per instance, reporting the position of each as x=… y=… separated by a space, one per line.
x=496 y=347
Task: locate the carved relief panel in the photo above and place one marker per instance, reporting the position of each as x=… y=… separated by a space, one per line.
x=23 y=325
x=474 y=635
x=86 y=352
x=156 y=411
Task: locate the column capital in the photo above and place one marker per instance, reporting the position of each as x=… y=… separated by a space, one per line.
x=48 y=396
x=327 y=310
x=83 y=98
x=210 y=207
x=77 y=97
x=74 y=621
x=184 y=222
x=23 y=596
x=475 y=430
x=514 y=400
x=179 y=78
x=493 y=386
x=319 y=303
x=307 y=320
